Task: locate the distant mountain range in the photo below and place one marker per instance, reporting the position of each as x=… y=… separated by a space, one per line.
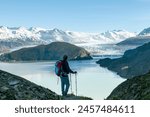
x=109 y=42
x=52 y=51
x=11 y=38
x=140 y=39
x=47 y=35
x=133 y=63
x=135 y=41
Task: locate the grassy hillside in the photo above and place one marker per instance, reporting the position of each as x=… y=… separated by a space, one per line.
x=53 y=51
x=137 y=88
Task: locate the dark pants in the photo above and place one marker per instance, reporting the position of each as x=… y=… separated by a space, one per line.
x=64 y=85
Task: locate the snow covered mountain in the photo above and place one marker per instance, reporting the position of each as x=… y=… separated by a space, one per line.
x=47 y=35
x=145 y=32
x=133 y=42
x=142 y=38
x=21 y=36
x=118 y=35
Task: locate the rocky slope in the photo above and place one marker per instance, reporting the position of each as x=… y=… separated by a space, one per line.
x=16 y=88
x=53 y=51
x=133 y=63
x=137 y=88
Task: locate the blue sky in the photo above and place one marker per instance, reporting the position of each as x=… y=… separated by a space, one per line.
x=77 y=15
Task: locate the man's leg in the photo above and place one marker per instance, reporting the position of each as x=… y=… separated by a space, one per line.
x=67 y=85
x=62 y=86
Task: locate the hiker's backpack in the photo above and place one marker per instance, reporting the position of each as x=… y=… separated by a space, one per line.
x=58 y=67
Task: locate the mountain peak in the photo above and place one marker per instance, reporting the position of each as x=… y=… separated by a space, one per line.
x=57 y=30
x=3 y=28
x=145 y=32
x=36 y=29
x=118 y=34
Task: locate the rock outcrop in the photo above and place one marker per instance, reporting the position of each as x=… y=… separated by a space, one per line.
x=137 y=88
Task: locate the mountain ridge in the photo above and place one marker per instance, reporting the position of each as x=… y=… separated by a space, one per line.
x=140 y=39
x=52 y=51
x=35 y=36
x=145 y=32
x=34 y=32
x=133 y=63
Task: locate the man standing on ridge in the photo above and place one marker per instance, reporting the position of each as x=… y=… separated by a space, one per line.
x=64 y=75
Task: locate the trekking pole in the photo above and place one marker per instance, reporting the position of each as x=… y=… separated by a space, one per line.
x=70 y=82
x=57 y=80
x=76 y=83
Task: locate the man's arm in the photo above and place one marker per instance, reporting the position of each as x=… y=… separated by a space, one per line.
x=70 y=71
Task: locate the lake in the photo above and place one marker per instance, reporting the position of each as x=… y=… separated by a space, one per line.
x=93 y=81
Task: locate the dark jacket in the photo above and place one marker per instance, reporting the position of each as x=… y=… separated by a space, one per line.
x=65 y=68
